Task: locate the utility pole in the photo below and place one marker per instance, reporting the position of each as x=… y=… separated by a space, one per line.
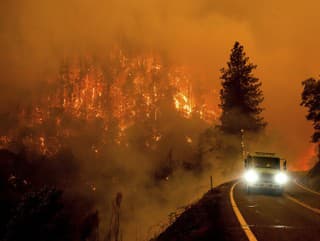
x=243 y=147
x=318 y=151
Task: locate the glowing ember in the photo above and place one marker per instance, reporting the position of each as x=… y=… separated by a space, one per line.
x=189 y=140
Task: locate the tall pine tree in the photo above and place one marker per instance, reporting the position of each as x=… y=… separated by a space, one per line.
x=240 y=95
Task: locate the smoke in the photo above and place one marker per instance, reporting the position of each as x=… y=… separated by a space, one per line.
x=281 y=38
x=35 y=36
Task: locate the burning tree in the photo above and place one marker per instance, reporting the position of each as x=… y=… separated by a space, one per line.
x=115 y=100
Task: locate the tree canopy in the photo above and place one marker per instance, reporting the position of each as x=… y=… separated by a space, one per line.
x=311 y=99
x=241 y=95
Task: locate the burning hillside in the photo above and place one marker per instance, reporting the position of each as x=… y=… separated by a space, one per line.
x=112 y=94
x=103 y=122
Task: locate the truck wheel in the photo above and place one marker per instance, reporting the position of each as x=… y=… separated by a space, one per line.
x=279 y=191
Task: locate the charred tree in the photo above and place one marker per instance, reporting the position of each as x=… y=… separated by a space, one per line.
x=241 y=95
x=114 y=231
x=90 y=227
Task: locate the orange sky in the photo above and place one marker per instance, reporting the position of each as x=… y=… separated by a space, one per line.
x=280 y=36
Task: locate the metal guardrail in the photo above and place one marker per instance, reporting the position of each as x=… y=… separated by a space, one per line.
x=155 y=230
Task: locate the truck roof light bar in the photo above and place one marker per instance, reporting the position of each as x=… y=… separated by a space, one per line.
x=265 y=153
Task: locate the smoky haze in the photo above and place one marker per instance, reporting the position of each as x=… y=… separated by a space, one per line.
x=281 y=38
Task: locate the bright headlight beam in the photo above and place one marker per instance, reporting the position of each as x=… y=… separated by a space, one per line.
x=281 y=178
x=251 y=176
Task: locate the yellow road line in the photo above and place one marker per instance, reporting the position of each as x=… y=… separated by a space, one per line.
x=245 y=227
x=316 y=210
x=305 y=188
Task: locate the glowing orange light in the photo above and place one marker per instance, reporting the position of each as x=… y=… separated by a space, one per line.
x=189 y=140
x=87 y=94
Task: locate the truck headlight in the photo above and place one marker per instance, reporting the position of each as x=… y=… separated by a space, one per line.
x=251 y=176
x=281 y=178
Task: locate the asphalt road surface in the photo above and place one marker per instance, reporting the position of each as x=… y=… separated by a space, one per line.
x=294 y=216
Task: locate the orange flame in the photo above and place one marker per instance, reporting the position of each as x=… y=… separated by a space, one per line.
x=129 y=91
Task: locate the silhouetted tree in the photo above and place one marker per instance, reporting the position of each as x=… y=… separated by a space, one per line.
x=311 y=100
x=114 y=232
x=90 y=227
x=240 y=95
x=38 y=217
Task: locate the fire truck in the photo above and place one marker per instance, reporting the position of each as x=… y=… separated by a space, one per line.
x=265 y=171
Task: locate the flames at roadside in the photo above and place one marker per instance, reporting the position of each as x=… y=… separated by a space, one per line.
x=115 y=93
x=306 y=160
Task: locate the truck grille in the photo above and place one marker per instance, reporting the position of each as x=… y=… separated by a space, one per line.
x=266 y=177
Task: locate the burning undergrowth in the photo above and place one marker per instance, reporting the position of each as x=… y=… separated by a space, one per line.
x=123 y=125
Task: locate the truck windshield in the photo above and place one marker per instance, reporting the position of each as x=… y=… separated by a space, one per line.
x=267 y=162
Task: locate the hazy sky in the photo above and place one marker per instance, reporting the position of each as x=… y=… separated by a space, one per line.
x=281 y=37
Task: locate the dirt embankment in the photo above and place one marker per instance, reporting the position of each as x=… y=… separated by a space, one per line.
x=211 y=218
x=312 y=179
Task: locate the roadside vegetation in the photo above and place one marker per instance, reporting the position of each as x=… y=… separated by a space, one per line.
x=311 y=100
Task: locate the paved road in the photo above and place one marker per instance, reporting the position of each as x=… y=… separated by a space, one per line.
x=277 y=218
x=294 y=216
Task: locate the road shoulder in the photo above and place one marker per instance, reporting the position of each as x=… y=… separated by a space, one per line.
x=211 y=218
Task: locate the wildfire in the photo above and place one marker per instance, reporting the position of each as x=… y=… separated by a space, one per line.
x=118 y=93
x=306 y=161
x=183 y=104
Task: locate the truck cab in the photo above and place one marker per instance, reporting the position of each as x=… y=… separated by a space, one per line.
x=264 y=171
